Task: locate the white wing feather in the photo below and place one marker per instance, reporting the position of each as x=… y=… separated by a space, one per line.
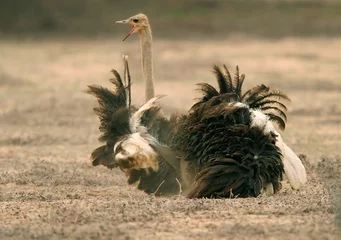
x=135 y=120
x=293 y=166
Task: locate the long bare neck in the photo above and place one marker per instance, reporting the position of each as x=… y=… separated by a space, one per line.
x=147 y=61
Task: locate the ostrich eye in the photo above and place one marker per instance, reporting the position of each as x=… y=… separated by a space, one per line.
x=135 y=20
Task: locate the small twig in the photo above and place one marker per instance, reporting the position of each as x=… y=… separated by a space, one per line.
x=231 y=193
x=89 y=210
x=130 y=198
x=158 y=188
x=180 y=188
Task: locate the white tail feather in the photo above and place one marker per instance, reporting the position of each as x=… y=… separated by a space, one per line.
x=293 y=166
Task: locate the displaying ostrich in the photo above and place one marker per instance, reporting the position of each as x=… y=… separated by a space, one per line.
x=226 y=146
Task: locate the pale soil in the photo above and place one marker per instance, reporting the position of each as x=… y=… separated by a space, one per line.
x=49 y=190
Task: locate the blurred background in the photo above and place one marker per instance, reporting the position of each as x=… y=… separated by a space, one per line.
x=50 y=50
x=174 y=18
x=53 y=49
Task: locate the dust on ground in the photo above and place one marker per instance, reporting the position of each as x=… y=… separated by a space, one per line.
x=49 y=190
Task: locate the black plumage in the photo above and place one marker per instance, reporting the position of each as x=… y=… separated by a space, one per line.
x=226 y=156
x=114 y=112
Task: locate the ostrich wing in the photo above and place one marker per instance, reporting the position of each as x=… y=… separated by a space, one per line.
x=136 y=118
x=293 y=166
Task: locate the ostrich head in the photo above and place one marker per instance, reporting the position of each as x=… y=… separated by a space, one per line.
x=138 y=22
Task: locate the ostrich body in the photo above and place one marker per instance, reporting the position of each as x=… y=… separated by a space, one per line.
x=226 y=146
x=229 y=144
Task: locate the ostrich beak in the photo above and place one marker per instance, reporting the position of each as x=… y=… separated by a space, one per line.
x=123 y=21
x=131 y=31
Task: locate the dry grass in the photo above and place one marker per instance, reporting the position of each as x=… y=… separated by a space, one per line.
x=48 y=190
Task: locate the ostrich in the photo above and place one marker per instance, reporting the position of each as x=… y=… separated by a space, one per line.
x=292 y=164
x=226 y=146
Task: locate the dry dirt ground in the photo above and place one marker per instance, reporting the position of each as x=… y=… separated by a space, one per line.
x=49 y=190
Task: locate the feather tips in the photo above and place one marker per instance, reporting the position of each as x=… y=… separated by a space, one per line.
x=112 y=110
x=259 y=97
x=103 y=155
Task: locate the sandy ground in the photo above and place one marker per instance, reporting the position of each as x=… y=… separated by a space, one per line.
x=49 y=190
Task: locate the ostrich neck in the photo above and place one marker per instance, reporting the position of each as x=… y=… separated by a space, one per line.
x=147 y=61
